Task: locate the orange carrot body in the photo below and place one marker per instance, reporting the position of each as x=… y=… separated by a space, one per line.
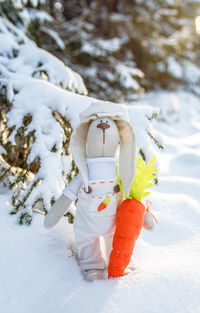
x=129 y=222
x=101 y=207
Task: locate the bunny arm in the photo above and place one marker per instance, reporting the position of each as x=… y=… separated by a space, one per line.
x=60 y=207
x=149 y=221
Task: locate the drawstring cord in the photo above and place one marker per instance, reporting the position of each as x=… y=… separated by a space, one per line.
x=148 y=204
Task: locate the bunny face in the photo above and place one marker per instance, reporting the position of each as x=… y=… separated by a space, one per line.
x=102 y=125
x=102 y=138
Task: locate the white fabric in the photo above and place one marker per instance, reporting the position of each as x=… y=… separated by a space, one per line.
x=91 y=275
x=95 y=146
x=104 y=108
x=98 y=168
x=90 y=223
x=101 y=168
x=78 y=150
x=127 y=157
x=73 y=188
x=59 y=208
x=149 y=222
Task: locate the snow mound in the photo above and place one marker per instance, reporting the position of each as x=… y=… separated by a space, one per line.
x=39 y=272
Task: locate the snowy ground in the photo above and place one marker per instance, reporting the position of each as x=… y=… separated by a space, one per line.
x=38 y=272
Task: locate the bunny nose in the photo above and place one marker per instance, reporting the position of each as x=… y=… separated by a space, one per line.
x=103 y=126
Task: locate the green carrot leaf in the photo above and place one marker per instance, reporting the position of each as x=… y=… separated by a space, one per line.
x=144 y=176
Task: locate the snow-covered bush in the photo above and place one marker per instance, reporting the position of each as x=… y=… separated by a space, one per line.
x=23 y=63
x=23 y=12
x=34 y=18
x=43 y=113
x=39 y=106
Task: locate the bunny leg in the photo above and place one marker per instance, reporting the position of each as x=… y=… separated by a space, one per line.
x=89 y=252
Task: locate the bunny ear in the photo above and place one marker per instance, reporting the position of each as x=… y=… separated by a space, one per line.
x=78 y=149
x=127 y=157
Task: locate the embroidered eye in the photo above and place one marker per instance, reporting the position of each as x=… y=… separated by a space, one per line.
x=101 y=121
x=107 y=122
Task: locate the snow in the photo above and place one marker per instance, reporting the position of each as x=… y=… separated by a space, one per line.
x=174 y=67
x=39 y=99
x=42 y=16
x=54 y=36
x=21 y=59
x=38 y=270
x=192 y=73
x=127 y=74
x=90 y=49
x=111 y=45
x=102 y=47
x=32 y=61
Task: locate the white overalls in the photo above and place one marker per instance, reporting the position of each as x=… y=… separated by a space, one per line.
x=91 y=222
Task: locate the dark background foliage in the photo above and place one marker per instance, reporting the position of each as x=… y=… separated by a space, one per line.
x=156 y=37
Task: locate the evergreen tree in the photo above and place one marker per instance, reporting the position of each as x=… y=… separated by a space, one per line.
x=36 y=111
x=123 y=47
x=27 y=144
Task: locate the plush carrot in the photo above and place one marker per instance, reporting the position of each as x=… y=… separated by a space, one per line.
x=103 y=204
x=130 y=218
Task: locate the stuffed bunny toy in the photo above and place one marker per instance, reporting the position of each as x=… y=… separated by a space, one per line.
x=94 y=144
